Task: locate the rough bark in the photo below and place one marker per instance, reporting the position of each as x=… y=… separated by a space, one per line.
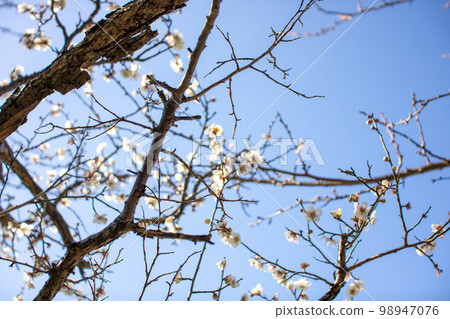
x=121 y=33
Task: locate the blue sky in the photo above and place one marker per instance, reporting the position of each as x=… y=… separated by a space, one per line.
x=373 y=67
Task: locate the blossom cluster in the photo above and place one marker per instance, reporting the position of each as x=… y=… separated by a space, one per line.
x=301 y=284
x=171 y=226
x=131 y=72
x=231 y=280
x=257 y=263
x=219 y=178
x=175 y=40
x=228 y=236
x=280 y=275
x=56 y=5
x=428 y=247
x=248 y=160
x=35 y=40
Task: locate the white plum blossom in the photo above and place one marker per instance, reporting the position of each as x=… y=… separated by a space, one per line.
x=192 y=157
x=28 y=38
x=353 y=197
x=175 y=40
x=227 y=235
x=279 y=275
x=312 y=214
x=51 y=173
x=18 y=70
x=371 y=221
x=112 y=6
x=111 y=182
x=178 y=278
x=248 y=160
x=145 y=84
x=373 y=218
x=93 y=180
x=271 y=268
x=181 y=168
x=41 y=42
x=115 y=198
x=176 y=64
x=291 y=236
x=44 y=146
x=300 y=146
x=256 y=262
x=222 y=225
x=256 y=291
x=101 y=147
x=229 y=160
x=61 y=153
x=24 y=7
x=337 y=213
x=243 y=169
x=131 y=72
x=231 y=280
x=28 y=280
x=3 y=83
x=34 y=158
x=100 y=219
x=151 y=202
x=233 y=240
x=24 y=230
x=88 y=88
x=354 y=288
x=344 y=17
x=426 y=248
x=361 y=211
x=216 y=149
x=137 y=158
x=329 y=241
x=219 y=178
x=57 y=4
x=69 y=127
x=125 y=144
x=56 y=109
x=171 y=226
x=192 y=88
x=302 y=284
x=304 y=297
x=290 y=285
x=221 y=264
x=214 y=130
x=112 y=130
x=437 y=228
x=65 y=202
x=252 y=157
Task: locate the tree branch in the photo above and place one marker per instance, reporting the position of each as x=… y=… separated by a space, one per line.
x=120 y=34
